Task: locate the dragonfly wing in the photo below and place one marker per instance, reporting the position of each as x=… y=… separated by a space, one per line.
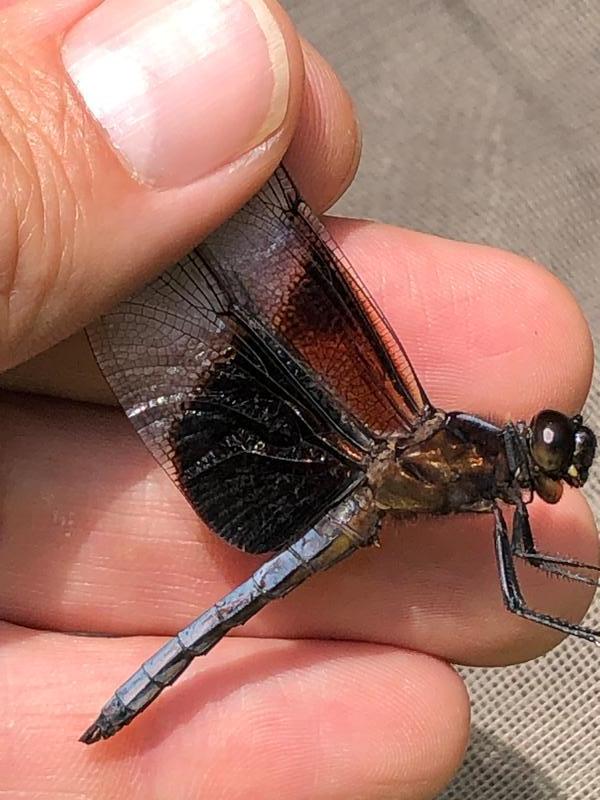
x=259 y=372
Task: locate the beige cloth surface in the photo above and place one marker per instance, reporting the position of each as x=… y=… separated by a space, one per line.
x=482 y=122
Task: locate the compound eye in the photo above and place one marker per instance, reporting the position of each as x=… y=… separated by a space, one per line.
x=553 y=441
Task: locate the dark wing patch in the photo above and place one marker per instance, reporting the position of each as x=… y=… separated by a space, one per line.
x=251 y=466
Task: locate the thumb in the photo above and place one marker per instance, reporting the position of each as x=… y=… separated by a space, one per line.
x=128 y=131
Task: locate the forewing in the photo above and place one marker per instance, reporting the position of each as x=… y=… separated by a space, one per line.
x=280 y=261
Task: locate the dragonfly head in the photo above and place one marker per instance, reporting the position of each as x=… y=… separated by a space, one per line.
x=562 y=448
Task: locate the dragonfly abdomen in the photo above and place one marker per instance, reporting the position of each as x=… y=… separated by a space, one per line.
x=349 y=527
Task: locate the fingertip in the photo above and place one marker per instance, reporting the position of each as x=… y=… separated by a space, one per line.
x=267 y=718
x=361 y=720
x=487 y=331
x=324 y=154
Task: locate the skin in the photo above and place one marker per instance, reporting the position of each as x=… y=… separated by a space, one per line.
x=341 y=690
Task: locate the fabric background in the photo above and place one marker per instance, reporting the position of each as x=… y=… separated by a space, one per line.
x=481 y=122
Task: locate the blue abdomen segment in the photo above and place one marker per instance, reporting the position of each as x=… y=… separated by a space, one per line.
x=334 y=538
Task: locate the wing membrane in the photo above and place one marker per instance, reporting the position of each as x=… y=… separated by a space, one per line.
x=281 y=262
x=259 y=372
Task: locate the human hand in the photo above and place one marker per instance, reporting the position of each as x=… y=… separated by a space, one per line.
x=96 y=539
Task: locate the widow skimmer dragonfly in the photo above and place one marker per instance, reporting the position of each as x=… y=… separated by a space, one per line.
x=264 y=379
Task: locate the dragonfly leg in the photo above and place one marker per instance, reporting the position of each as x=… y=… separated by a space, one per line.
x=330 y=541
x=523 y=547
x=511 y=591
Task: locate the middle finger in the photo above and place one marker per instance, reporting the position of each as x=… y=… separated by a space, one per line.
x=95 y=537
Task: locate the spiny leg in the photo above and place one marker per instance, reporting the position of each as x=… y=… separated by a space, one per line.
x=511 y=591
x=523 y=547
x=330 y=541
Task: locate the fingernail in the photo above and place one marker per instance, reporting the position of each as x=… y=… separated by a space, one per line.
x=182 y=87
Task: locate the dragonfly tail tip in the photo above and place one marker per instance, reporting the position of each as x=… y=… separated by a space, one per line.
x=92 y=734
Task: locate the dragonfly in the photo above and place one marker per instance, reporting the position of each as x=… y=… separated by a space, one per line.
x=263 y=377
